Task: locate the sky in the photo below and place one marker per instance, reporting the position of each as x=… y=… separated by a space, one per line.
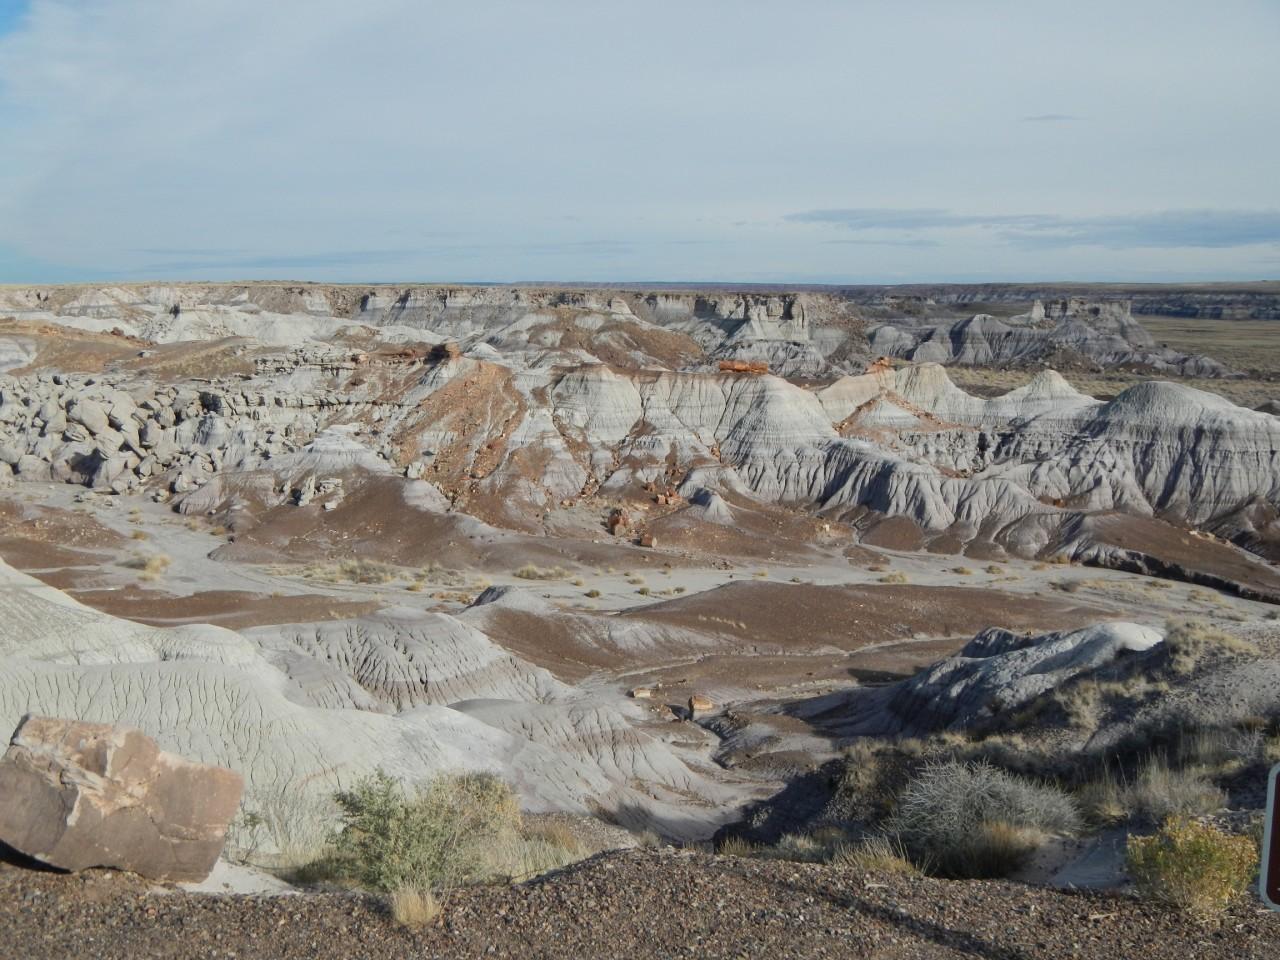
x=812 y=141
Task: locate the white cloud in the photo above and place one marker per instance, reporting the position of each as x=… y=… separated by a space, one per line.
x=577 y=139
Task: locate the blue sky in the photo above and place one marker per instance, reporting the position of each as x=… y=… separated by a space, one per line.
x=819 y=141
x=11 y=12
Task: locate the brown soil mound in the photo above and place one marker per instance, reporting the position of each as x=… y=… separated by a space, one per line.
x=234 y=609
x=1163 y=549
x=849 y=617
x=634 y=904
x=375 y=522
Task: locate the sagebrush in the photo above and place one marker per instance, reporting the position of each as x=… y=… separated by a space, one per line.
x=973 y=819
x=1192 y=866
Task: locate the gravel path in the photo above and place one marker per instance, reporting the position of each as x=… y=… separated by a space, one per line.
x=630 y=904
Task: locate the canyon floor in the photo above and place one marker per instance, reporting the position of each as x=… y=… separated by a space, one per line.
x=677 y=563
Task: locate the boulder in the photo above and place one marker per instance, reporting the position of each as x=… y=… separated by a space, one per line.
x=700 y=705
x=76 y=795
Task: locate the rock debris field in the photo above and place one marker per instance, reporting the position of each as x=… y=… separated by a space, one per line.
x=651 y=904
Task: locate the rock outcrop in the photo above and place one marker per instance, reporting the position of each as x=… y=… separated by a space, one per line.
x=996 y=672
x=76 y=795
x=1103 y=333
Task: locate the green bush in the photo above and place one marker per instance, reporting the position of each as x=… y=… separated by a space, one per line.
x=1192 y=866
x=441 y=835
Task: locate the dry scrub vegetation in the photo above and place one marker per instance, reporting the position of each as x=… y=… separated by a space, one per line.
x=532 y=571
x=980 y=803
x=152 y=567
x=950 y=819
x=1192 y=866
x=416 y=845
x=352 y=570
x=1189 y=642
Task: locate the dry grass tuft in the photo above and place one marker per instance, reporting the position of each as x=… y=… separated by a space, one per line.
x=737 y=847
x=994 y=849
x=533 y=572
x=352 y=570
x=1160 y=791
x=896 y=577
x=413 y=907
x=1190 y=642
x=876 y=854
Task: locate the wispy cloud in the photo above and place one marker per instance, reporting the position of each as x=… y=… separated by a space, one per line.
x=1166 y=228
x=886 y=242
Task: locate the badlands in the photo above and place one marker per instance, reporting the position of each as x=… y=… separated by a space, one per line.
x=720 y=579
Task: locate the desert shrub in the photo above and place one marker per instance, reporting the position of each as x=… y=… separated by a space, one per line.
x=138 y=535
x=896 y=577
x=439 y=835
x=644 y=591
x=963 y=571
x=151 y=566
x=972 y=819
x=592 y=593
x=993 y=569
x=413 y=907
x=1192 y=866
x=1189 y=642
x=533 y=572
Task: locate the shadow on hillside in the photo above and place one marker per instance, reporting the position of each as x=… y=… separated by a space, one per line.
x=901 y=918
